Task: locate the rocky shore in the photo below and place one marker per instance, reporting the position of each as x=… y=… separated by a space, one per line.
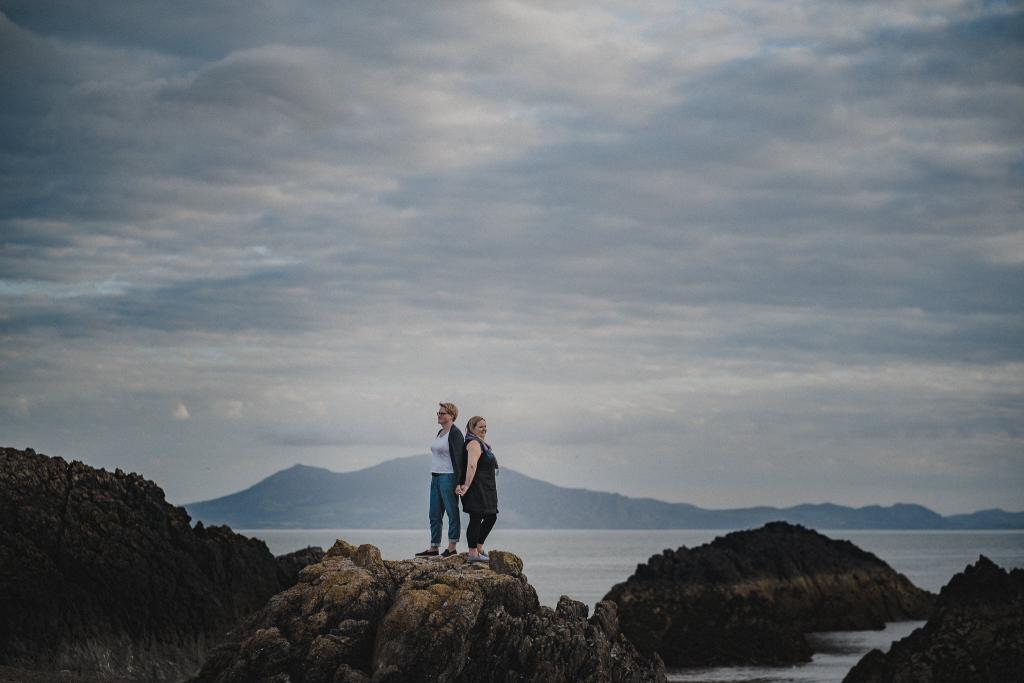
x=976 y=634
x=102 y=580
x=750 y=596
x=101 y=577
x=355 y=618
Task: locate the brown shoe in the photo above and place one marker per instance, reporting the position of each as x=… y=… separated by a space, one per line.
x=428 y=553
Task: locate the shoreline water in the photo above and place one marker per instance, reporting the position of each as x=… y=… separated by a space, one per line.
x=601 y=558
x=835 y=654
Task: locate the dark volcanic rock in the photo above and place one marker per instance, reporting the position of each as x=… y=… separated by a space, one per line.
x=976 y=635
x=100 y=576
x=749 y=597
x=291 y=564
x=355 y=617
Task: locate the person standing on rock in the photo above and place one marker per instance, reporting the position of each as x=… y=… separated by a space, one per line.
x=480 y=491
x=447 y=469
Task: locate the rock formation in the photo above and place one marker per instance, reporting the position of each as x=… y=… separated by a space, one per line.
x=101 y=577
x=976 y=634
x=357 y=618
x=289 y=566
x=750 y=596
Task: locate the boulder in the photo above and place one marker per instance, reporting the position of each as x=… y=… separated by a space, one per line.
x=976 y=634
x=290 y=564
x=356 y=617
x=750 y=596
x=101 y=577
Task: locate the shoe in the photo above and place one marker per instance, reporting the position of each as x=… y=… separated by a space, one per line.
x=428 y=553
x=477 y=558
x=485 y=556
x=449 y=553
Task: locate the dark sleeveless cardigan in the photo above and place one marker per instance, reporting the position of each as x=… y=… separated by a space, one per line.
x=482 y=496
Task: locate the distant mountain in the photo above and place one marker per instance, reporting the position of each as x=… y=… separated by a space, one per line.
x=987 y=519
x=393 y=495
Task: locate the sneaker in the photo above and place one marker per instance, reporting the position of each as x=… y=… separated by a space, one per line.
x=449 y=553
x=477 y=558
x=485 y=556
x=428 y=553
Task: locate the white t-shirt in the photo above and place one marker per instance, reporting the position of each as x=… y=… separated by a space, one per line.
x=440 y=460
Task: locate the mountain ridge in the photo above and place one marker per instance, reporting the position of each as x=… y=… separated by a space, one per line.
x=393 y=495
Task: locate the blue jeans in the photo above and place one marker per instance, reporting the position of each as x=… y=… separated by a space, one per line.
x=443 y=500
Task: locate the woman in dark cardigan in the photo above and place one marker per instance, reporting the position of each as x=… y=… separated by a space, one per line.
x=447 y=469
x=480 y=492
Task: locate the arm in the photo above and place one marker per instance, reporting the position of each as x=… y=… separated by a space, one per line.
x=456 y=450
x=474 y=451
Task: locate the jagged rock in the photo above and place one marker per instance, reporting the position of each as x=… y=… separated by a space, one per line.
x=750 y=596
x=291 y=564
x=976 y=635
x=103 y=578
x=355 y=617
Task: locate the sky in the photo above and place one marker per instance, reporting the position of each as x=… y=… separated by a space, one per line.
x=728 y=253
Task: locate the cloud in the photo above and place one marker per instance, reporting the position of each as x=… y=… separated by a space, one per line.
x=230 y=408
x=709 y=251
x=309 y=438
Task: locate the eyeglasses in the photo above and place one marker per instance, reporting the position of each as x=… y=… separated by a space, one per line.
x=442 y=412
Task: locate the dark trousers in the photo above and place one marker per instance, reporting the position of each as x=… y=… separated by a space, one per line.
x=479 y=527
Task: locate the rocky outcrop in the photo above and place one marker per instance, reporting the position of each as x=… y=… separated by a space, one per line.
x=290 y=565
x=750 y=596
x=357 y=618
x=976 y=634
x=101 y=577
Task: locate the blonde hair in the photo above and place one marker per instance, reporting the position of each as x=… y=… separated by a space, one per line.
x=450 y=409
x=473 y=422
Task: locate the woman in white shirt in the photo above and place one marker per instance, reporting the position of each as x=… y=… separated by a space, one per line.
x=447 y=465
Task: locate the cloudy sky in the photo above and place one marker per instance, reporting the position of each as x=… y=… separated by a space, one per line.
x=727 y=253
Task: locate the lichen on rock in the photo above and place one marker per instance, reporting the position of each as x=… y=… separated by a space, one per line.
x=356 y=617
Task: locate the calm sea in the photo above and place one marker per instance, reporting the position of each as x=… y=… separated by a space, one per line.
x=585 y=564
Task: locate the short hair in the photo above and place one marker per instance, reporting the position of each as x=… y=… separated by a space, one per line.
x=451 y=409
x=473 y=422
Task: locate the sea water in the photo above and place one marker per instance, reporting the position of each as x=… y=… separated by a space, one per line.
x=585 y=564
